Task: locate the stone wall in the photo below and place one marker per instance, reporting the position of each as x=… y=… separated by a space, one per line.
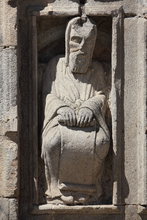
x=8 y=111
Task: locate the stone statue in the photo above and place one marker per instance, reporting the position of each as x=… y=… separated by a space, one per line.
x=75 y=137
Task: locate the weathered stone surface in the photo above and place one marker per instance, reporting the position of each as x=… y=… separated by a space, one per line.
x=8 y=168
x=117 y=106
x=63 y=8
x=142 y=109
x=92 y=212
x=96 y=8
x=4 y=209
x=131 y=213
x=8 y=110
x=130 y=109
x=87 y=217
x=8 y=34
x=8 y=209
x=107 y=7
x=8 y=90
x=130 y=7
x=77 y=210
x=135 y=110
x=13 y=209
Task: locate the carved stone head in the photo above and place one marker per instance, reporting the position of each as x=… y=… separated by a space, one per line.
x=80 y=42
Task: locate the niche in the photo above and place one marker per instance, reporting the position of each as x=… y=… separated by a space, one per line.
x=51 y=43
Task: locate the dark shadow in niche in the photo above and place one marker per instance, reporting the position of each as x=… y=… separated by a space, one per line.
x=75 y=1
x=50 y=1
x=107 y=179
x=12 y=3
x=82 y=2
x=12 y=135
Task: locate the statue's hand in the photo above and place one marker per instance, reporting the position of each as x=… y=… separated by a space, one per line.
x=67 y=116
x=85 y=116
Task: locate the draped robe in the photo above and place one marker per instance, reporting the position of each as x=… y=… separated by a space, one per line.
x=62 y=88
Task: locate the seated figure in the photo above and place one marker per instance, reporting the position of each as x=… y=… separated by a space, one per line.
x=75 y=137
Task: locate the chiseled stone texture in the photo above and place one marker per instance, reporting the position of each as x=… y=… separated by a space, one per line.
x=55 y=7
x=4 y=209
x=8 y=90
x=131 y=213
x=130 y=7
x=134 y=111
x=8 y=168
x=13 y=209
x=142 y=109
x=130 y=108
x=8 y=209
x=8 y=34
x=8 y=111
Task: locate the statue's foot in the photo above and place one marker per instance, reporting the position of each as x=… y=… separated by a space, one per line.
x=55 y=198
x=68 y=200
x=48 y=194
x=82 y=200
x=56 y=201
x=55 y=192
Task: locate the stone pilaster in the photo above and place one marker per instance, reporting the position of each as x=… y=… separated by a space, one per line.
x=8 y=111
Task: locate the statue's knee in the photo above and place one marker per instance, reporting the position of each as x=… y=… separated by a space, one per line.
x=102 y=138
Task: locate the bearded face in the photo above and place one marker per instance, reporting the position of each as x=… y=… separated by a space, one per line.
x=81 y=46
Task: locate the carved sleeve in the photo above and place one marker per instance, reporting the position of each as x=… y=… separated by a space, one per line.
x=51 y=103
x=97 y=105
